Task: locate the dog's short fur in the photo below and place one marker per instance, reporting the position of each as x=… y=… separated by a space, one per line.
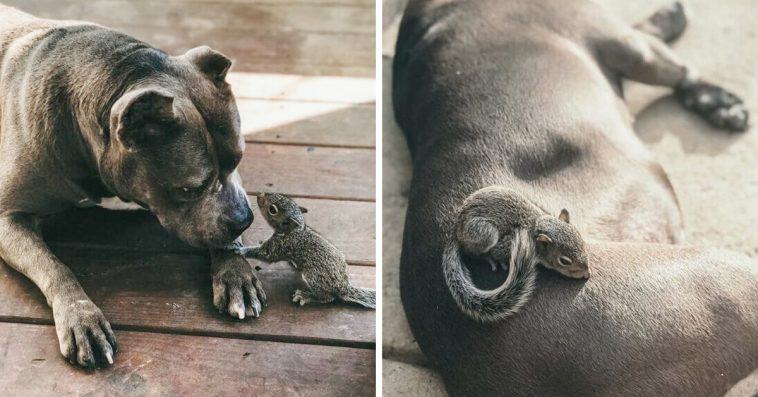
x=89 y=113
x=527 y=94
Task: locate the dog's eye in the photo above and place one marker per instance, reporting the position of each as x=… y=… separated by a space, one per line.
x=194 y=192
x=565 y=261
x=273 y=210
x=190 y=192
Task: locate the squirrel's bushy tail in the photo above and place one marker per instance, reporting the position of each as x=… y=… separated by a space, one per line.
x=503 y=301
x=362 y=296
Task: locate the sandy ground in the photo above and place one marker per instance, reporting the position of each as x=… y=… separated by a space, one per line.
x=715 y=174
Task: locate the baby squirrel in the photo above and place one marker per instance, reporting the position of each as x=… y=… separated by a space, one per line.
x=321 y=264
x=501 y=226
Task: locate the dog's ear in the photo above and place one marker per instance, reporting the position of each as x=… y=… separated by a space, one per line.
x=564 y=216
x=211 y=62
x=142 y=117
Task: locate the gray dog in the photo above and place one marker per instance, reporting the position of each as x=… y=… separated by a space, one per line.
x=89 y=113
x=527 y=94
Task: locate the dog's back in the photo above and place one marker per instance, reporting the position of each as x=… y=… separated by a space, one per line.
x=21 y=30
x=511 y=93
x=523 y=119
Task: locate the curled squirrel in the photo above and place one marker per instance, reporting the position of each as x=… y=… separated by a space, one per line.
x=321 y=265
x=500 y=225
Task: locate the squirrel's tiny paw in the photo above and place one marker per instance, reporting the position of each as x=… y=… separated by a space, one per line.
x=300 y=297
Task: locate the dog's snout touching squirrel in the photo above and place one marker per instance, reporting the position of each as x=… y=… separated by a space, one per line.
x=321 y=265
x=505 y=229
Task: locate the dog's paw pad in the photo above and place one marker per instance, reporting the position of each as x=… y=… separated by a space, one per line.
x=718 y=106
x=734 y=118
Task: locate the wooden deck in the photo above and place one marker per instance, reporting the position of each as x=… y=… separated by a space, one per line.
x=303 y=76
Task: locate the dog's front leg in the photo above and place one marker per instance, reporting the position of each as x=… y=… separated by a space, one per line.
x=236 y=289
x=84 y=335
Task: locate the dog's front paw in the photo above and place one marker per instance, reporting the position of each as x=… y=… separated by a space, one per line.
x=84 y=335
x=718 y=106
x=236 y=289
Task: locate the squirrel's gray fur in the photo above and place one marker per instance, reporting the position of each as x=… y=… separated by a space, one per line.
x=501 y=225
x=321 y=265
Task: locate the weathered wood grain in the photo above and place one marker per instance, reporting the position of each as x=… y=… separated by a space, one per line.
x=151 y=364
x=306 y=53
x=314 y=172
x=172 y=293
x=245 y=17
x=350 y=225
x=307 y=123
x=282 y=38
x=330 y=89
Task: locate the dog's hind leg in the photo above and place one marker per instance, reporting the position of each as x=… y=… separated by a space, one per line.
x=641 y=57
x=667 y=24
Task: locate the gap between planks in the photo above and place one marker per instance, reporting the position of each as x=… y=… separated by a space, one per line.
x=252 y=139
x=317 y=197
x=288 y=339
x=325 y=3
x=198 y=253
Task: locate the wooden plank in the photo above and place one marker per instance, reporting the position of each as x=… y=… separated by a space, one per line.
x=354 y=3
x=172 y=293
x=244 y=17
x=314 y=172
x=337 y=90
x=350 y=225
x=308 y=123
x=344 y=54
x=175 y=365
x=273 y=48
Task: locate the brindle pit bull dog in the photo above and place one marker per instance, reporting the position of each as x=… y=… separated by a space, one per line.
x=89 y=113
x=527 y=94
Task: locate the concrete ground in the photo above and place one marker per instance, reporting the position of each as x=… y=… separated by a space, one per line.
x=714 y=173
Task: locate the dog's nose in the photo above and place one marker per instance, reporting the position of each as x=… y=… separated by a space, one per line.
x=239 y=221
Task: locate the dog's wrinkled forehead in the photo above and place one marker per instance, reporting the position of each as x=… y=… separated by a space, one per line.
x=203 y=72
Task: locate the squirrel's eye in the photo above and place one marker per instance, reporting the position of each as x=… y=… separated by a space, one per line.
x=273 y=210
x=564 y=261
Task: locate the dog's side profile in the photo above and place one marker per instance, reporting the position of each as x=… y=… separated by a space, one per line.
x=527 y=95
x=87 y=114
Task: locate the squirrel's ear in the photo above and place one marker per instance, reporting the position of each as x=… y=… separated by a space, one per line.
x=542 y=238
x=564 y=216
x=304 y=210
